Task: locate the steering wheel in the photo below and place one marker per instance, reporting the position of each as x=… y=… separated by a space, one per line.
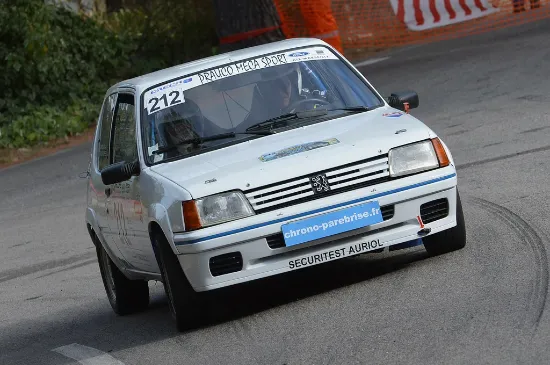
x=297 y=103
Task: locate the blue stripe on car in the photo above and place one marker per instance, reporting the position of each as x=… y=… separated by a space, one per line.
x=320 y=210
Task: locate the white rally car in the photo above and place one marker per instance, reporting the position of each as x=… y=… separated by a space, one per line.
x=255 y=163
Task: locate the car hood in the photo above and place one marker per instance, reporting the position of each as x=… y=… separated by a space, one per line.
x=263 y=161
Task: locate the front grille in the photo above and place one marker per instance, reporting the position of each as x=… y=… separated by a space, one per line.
x=226 y=263
x=277 y=240
x=340 y=179
x=434 y=210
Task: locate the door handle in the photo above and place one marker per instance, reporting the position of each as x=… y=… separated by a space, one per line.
x=108 y=192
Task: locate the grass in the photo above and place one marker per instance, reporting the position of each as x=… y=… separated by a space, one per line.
x=10 y=157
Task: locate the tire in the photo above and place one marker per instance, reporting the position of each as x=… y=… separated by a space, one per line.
x=451 y=239
x=126 y=296
x=186 y=305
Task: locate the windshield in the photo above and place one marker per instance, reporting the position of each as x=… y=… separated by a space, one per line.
x=237 y=101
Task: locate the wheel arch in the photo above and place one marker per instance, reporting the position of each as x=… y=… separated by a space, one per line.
x=159 y=222
x=93 y=228
x=155 y=228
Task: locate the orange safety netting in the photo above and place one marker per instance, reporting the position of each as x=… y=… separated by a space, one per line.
x=372 y=25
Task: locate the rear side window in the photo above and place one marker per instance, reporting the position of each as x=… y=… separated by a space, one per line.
x=105 y=131
x=124 y=147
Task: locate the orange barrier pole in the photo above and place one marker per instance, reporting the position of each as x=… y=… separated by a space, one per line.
x=320 y=22
x=316 y=19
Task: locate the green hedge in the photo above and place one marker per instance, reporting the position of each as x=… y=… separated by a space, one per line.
x=56 y=65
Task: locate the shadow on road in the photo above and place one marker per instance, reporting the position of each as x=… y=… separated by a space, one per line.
x=99 y=327
x=239 y=301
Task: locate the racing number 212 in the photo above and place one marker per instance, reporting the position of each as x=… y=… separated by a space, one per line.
x=175 y=97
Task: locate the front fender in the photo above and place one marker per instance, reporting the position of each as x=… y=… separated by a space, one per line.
x=447 y=150
x=159 y=215
x=92 y=221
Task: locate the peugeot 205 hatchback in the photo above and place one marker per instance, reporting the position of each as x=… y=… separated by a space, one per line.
x=255 y=163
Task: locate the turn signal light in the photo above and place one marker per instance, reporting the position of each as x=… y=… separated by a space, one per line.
x=440 y=152
x=191 y=216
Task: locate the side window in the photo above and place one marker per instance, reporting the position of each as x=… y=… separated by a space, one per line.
x=105 y=131
x=124 y=146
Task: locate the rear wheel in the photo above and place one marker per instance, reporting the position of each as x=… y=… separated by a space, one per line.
x=186 y=305
x=126 y=296
x=451 y=239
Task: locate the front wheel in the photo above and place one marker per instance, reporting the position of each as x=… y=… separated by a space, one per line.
x=451 y=239
x=186 y=305
x=125 y=296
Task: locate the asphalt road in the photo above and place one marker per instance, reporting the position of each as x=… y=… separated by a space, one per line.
x=487 y=97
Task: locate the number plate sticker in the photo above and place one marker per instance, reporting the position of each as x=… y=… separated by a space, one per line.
x=165 y=96
x=329 y=224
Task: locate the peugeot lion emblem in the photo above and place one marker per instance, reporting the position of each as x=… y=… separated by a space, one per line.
x=319 y=183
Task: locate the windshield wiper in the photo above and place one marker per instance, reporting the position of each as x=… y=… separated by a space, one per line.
x=357 y=108
x=282 y=120
x=199 y=140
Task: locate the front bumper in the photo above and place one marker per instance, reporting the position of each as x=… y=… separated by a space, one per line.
x=248 y=236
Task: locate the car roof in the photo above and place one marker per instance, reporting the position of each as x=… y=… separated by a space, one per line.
x=141 y=83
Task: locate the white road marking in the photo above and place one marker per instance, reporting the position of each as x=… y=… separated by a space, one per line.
x=87 y=355
x=371 y=61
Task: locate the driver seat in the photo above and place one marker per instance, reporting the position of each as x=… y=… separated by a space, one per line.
x=262 y=107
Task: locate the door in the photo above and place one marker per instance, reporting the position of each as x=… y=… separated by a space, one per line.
x=128 y=214
x=98 y=192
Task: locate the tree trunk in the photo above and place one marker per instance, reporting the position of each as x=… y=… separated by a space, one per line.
x=113 y=5
x=246 y=23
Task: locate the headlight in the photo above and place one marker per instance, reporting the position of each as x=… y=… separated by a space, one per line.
x=215 y=209
x=417 y=157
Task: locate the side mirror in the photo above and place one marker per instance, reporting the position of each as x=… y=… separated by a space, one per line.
x=404 y=100
x=119 y=172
